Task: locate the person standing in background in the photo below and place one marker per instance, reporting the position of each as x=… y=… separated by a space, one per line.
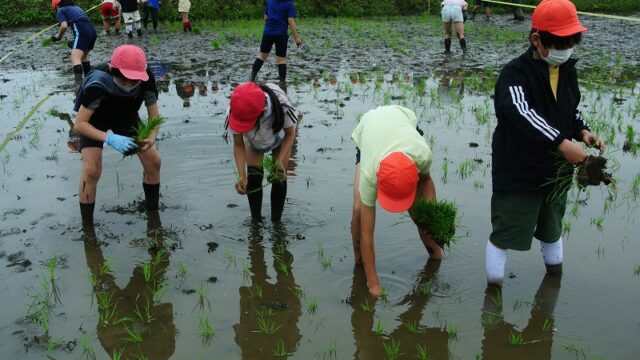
x=183 y=8
x=151 y=7
x=110 y=10
x=131 y=17
x=279 y=15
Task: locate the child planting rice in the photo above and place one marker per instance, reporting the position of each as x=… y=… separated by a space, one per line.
x=259 y=115
x=392 y=167
x=536 y=102
x=107 y=107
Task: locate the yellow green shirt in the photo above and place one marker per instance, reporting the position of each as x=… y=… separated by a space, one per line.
x=554 y=74
x=381 y=131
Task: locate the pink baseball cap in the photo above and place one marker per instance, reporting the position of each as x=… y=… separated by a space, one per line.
x=131 y=62
x=247 y=103
x=397 y=182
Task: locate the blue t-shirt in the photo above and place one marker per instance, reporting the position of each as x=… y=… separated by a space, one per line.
x=153 y=4
x=71 y=14
x=278 y=13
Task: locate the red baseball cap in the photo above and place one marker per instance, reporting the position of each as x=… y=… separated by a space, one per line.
x=55 y=3
x=131 y=62
x=247 y=103
x=558 y=17
x=397 y=182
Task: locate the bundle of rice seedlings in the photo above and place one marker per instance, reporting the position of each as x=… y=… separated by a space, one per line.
x=271 y=169
x=438 y=218
x=143 y=130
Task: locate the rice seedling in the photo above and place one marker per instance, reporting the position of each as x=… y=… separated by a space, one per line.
x=272 y=168
x=392 y=349
x=267 y=326
x=230 y=258
x=145 y=314
x=600 y=250
x=425 y=289
x=256 y=291
x=215 y=44
x=147 y=271
x=159 y=290
x=88 y=353
x=52 y=265
x=576 y=349
x=144 y=130
x=437 y=218
x=40 y=306
x=182 y=272
x=634 y=190
x=466 y=168
x=312 y=306
x=298 y=292
x=203 y=301
x=117 y=354
x=423 y=353
x=379 y=328
x=597 y=222
x=515 y=338
x=154 y=40
x=207 y=332
x=452 y=330
x=566 y=227
x=246 y=272
x=134 y=335
x=478 y=185
x=636 y=270
x=105 y=268
x=547 y=325
x=411 y=326
x=107 y=307
x=366 y=306
x=330 y=354
x=281 y=350
x=384 y=296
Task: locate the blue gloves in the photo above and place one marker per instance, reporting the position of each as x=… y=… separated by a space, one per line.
x=122 y=144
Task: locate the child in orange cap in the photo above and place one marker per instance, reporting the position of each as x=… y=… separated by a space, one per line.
x=392 y=166
x=262 y=119
x=536 y=102
x=107 y=107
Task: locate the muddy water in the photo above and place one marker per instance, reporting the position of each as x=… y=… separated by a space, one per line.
x=293 y=289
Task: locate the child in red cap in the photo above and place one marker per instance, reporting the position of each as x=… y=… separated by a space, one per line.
x=261 y=119
x=536 y=102
x=107 y=107
x=392 y=166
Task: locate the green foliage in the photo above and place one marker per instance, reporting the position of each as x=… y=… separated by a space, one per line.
x=271 y=168
x=144 y=129
x=438 y=218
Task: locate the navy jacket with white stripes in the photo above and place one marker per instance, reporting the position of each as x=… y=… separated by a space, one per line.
x=532 y=123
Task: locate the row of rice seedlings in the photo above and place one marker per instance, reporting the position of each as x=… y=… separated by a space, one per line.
x=331 y=353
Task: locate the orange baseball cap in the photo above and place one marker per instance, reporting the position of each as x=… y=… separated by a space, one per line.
x=55 y=3
x=397 y=182
x=558 y=17
x=246 y=104
x=131 y=62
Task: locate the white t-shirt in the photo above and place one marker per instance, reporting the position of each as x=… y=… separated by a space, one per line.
x=381 y=131
x=261 y=136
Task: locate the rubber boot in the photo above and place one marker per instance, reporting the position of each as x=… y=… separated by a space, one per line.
x=139 y=31
x=77 y=77
x=278 y=197
x=447 y=45
x=257 y=65
x=86 y=212
x=151 y=196
x=86 y=67
x=254 y=191
x=463 y=44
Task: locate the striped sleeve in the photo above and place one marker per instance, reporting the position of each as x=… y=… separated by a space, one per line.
x=535 y=121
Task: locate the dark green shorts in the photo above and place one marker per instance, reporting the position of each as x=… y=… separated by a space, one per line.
x=517 y=217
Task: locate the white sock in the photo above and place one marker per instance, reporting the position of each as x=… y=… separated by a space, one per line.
x=129 y=28
x=137 y=25
x=495 y=260
x=552 y=252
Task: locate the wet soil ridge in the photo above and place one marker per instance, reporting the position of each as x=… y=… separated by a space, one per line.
x=592 y=172
x=438 y=218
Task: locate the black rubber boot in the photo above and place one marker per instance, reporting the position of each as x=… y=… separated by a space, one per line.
x=86 y=67
x=254 y=191
x=86 y=212
x=77 y=77
x=447 y=45
x=257 y=65
x=463 y=44
x=554 y=270
x=151 y=196
x=278 y=197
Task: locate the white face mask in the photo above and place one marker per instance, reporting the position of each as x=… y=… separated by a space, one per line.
x=557 y=57
x=126 y=88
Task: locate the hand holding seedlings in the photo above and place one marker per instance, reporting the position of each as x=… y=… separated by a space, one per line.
x=241 y=186
x=121 y=144
x=571 y=151
x=593 y=141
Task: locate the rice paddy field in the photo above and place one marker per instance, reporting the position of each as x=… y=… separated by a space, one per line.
x=200 y=281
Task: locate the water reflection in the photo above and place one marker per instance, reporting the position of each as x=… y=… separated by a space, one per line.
x=133 y=321
x=503 y=340
x=409 y=333
x=269 y=312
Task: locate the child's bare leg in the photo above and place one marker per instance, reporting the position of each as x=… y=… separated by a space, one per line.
x=355 y=218
x=435 y=251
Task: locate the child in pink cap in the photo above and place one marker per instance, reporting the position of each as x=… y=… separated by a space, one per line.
x=107 y=106
x=392 y=167
x=262 y=119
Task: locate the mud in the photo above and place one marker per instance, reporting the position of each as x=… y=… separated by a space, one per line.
x=592 y=172
x=206 y=263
